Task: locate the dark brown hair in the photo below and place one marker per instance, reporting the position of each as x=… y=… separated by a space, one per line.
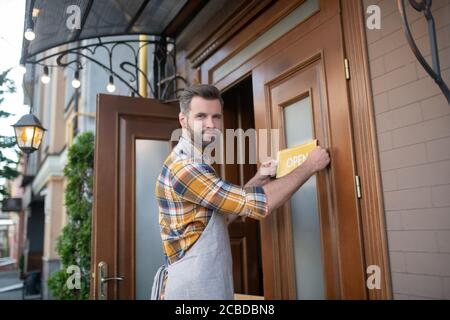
x=206 y=91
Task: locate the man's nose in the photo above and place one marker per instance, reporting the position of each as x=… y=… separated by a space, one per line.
x=209 y=123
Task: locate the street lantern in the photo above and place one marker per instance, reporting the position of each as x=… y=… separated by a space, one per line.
x=29 y=133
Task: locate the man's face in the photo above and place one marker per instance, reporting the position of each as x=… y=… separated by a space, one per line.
x=205 y=117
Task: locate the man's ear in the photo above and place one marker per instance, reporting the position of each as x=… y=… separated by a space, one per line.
x=183 y=119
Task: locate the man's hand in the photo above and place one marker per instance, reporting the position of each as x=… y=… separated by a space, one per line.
x=266 y=171
x=280 y=190
x=318 y=159
x=268 y=168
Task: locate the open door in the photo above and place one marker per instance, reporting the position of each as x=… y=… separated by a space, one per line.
x=132 y=141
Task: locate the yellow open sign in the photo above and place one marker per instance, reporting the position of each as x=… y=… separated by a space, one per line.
x=289 y=159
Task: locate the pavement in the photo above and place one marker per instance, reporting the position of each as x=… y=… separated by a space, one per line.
x=10 y=285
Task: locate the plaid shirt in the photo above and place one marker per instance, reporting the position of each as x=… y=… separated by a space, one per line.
x=189 y=191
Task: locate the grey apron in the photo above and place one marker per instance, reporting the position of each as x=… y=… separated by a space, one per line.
x=205 y=272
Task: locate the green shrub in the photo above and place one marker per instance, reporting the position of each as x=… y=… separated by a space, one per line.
x=74 y=244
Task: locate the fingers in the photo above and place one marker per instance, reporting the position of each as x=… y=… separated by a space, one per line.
x=319 y=158
x=269 y=167
x=269 y=163
x=323 y=150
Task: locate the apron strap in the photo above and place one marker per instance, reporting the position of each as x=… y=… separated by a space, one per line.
x=158 y=282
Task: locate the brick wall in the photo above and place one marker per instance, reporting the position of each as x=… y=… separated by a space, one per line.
x=413 y=128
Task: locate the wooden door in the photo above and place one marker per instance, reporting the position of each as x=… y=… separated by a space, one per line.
x=312 y=247
x=132 y=136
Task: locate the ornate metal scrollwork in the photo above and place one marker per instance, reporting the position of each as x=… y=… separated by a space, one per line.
x=164 y=84
x=434 y=71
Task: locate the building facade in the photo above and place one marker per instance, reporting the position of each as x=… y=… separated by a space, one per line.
x=376 y=225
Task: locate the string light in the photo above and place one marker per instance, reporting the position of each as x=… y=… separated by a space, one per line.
x=29 y=34
x=76 y=83
x=111 y=87
x=45 y=78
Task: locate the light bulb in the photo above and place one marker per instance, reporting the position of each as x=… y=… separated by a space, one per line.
x=45 y=78
x=76 y=83
x=29 y=132
x=29 y=34
x=111 y=87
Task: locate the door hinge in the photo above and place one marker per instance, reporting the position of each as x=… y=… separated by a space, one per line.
x=358 y=187
x=347 y=69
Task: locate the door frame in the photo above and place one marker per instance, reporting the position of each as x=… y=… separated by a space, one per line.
x=366 y=145
x=367 y=167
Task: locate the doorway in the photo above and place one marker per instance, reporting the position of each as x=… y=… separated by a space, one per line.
x=244 y=233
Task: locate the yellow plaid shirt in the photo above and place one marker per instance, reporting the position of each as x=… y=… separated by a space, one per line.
x=188 y=191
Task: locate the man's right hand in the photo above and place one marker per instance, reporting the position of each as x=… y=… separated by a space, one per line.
x=280 y=190
x=318 y=159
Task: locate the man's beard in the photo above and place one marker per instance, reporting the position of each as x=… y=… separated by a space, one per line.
x=196 y=139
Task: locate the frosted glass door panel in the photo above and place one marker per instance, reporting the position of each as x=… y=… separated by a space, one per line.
x=298 y=123
x=150 y=155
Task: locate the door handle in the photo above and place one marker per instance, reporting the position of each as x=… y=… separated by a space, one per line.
x=109 y=279
x=102 y=282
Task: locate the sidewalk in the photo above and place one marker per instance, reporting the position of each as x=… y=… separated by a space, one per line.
x=10 y=286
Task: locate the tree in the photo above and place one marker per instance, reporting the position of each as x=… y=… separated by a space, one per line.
x=7 y=165
x=74 y=244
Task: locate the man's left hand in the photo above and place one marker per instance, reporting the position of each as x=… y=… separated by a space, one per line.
x=266 y=171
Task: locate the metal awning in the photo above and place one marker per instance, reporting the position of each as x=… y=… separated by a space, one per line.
x=101 y=18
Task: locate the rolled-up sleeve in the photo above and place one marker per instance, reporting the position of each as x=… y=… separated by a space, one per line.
x=198 y=183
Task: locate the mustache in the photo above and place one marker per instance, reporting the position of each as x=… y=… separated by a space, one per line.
x=214 y=131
